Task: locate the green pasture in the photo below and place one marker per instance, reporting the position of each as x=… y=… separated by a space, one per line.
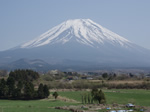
x=138 y=97
x=31 y=106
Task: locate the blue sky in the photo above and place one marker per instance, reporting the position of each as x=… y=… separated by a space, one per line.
x=24 y=20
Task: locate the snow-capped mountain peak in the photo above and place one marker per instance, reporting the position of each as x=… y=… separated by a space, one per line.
x=83 y=31
x=78 y=44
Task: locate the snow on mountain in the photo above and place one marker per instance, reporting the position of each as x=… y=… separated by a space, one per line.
x=84 y=31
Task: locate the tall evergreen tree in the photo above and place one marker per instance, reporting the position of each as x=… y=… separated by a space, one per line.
x=28 y=90
x=18 y=90
x=3 y=88
x=46 y=91
x=11 y=86
x=40 y=91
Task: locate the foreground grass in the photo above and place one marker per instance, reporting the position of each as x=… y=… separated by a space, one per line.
x=138 y=97
x=31 y=106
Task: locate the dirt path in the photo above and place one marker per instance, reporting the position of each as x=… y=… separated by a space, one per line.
x=61 y=98
x=67 y=99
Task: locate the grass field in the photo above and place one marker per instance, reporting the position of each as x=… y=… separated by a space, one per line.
x=138 y=97
x=31 y=106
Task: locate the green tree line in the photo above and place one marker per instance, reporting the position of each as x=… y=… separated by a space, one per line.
x=19 y=86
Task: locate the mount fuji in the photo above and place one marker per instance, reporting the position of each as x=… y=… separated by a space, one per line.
x=80 y=44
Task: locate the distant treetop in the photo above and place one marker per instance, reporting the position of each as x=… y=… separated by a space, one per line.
x=24 y=75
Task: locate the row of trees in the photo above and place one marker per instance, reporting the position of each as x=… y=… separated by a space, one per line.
x=88 y=84
x=15 y=87
x=95 y=96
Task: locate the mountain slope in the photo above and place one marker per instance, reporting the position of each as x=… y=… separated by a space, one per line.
x=80 y=44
